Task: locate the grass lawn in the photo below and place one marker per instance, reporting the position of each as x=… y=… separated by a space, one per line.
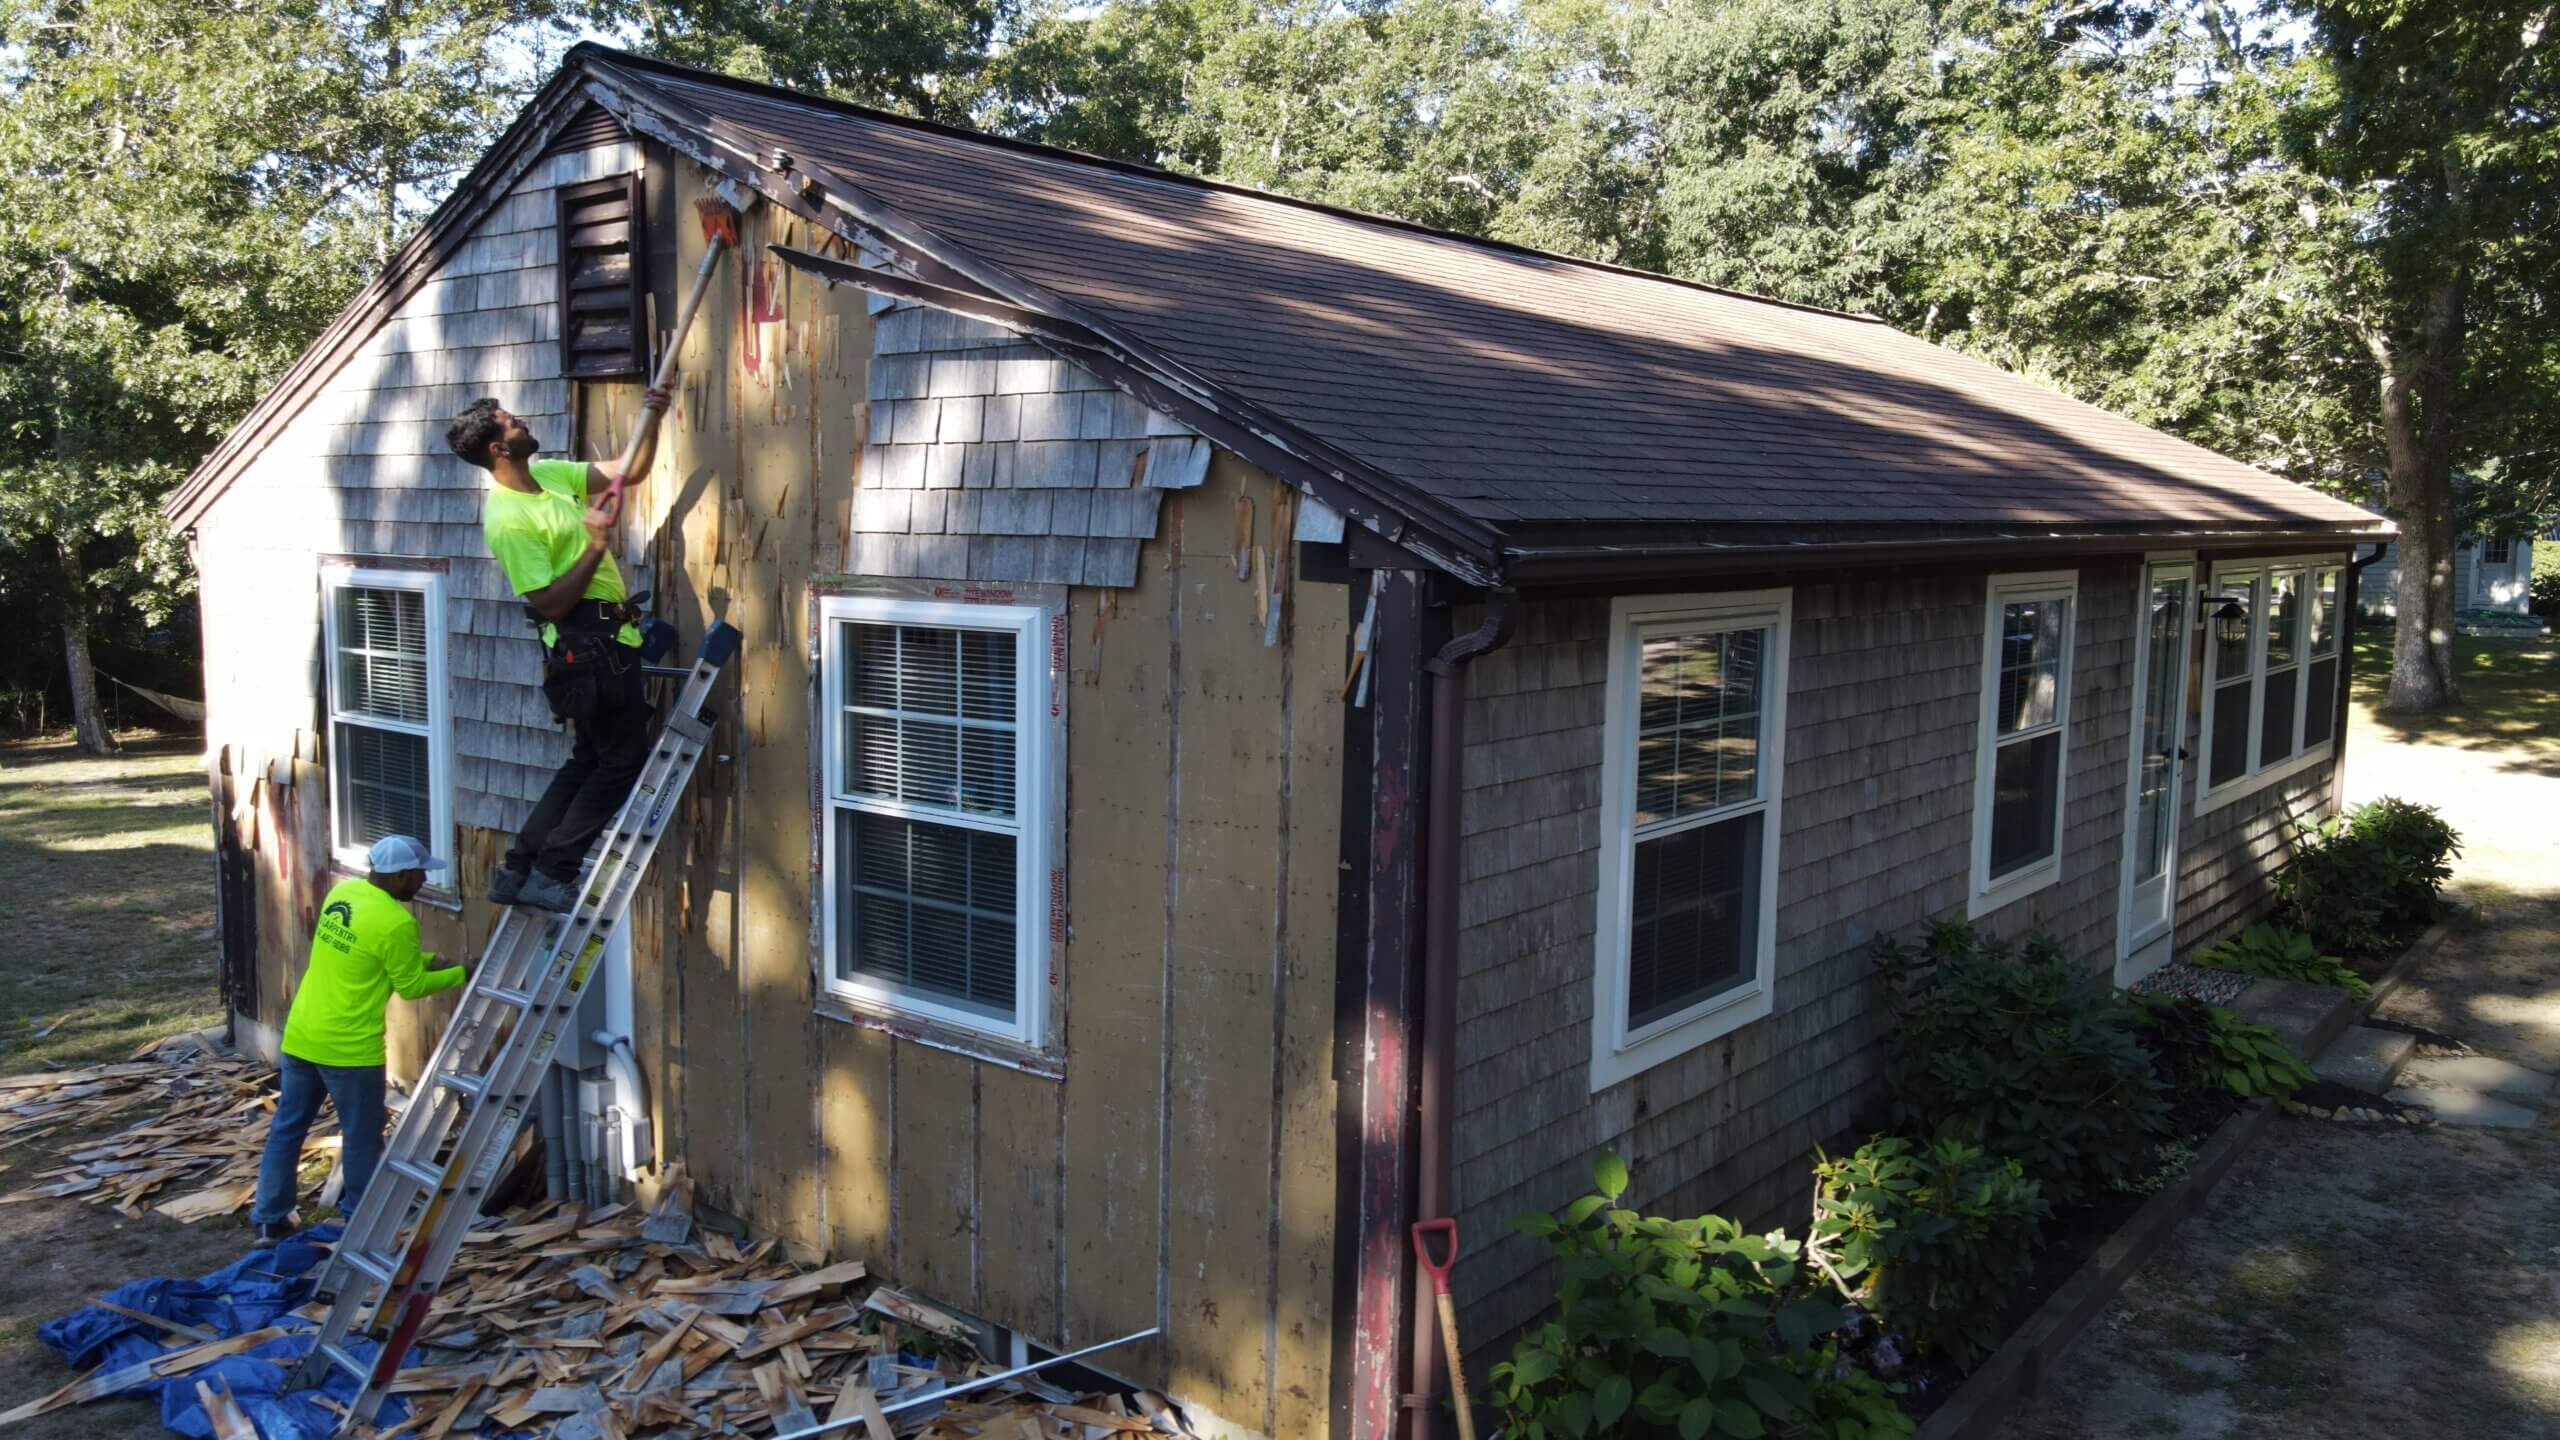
x=106 y=901
x=106 y=920
x=2510 y=698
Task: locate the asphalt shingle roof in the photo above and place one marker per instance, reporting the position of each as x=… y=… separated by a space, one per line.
x=1523 y=390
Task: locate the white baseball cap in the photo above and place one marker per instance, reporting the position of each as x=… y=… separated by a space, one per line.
x=394 y=853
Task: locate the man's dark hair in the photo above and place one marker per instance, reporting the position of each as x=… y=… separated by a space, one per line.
x=475 y=430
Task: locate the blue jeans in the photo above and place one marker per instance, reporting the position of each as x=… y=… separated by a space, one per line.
x=355 y=1092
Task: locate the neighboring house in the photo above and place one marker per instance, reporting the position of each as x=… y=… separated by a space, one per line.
x=1256 y=722
x=2487 y=575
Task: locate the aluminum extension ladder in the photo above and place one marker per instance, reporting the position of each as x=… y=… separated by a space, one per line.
x=487 y=1071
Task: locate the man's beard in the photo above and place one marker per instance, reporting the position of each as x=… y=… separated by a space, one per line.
x=523 y=449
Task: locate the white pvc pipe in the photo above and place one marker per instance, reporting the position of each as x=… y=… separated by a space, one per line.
x=630 y=1099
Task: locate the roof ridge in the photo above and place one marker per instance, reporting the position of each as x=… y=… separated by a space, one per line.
x=596 y=51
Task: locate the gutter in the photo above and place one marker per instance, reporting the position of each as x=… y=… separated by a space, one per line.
x=1568 y=565
x=1435 y=1117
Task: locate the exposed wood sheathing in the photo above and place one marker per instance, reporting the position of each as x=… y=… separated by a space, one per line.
x=1072 y=1208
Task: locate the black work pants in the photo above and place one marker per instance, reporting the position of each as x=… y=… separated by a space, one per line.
x=602 y=693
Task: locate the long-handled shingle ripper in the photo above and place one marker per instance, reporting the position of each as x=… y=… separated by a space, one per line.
x=719 y=213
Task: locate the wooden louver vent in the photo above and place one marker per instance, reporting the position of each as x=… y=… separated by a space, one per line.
x=603 y=284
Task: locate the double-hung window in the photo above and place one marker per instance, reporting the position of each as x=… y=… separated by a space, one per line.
x=2021 y=767
x=391 y=770
x=934 y=842
x=1694 y=751
x=2272 y=638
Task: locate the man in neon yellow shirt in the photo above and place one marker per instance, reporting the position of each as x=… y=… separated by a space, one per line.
x=364 y=950
x=554 y=539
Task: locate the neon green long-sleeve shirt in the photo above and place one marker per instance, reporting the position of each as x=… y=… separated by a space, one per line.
x=365 y=948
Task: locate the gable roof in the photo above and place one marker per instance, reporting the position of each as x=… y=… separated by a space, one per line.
x=1501 y=401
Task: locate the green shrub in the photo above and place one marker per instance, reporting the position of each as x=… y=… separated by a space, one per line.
x=2198 y=1047
x=2276 y=953
x=1680 y=1328
x=2417 y=849
x=1934 y=1237
x=2023 y=1053
x=2546 y=580
x=2365 y=878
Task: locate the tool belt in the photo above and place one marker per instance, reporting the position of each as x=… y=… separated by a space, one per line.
x=588 y=615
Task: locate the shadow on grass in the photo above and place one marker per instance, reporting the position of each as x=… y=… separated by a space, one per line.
x=2510 y=698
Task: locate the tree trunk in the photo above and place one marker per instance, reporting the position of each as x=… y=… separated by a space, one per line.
x=2418 y=388
x=88 y=724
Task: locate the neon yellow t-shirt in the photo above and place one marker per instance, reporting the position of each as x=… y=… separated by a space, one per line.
x=538 y=538
x=364 y=948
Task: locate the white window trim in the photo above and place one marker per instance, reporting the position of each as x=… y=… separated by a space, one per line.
x=1984 y=895
x=2210 y=797
x=1035 y=761
x=439 y=727
x=1618 y=1053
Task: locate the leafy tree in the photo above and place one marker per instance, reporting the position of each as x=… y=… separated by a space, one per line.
x=919 y=56
x=2442 y=119
x=192 y=191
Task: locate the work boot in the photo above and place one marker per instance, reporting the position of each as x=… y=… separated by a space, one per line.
x=542 y=892
x=505 y=883
x=275 y=1232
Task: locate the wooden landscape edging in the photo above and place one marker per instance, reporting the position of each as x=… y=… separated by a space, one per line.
x=2016 y=1370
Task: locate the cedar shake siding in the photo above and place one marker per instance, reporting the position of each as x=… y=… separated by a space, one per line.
x=1883 y=707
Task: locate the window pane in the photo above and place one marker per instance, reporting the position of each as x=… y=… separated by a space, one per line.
x=1698 y=711
x=1694 y=926
x=2324 y=615
x=2032 y=635
x=928 y=718
x=2233 y=610
x=929 y=908
x=2026 y=776
x=2275 y=726
x=2230 y=758
x=2320 y=706
x=2284 y=621
x=382 y=785
x=381 y=662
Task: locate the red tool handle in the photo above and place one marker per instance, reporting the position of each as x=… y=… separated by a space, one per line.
x=1437 y=1269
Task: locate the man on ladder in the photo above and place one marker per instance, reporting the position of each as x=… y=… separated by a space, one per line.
x=552 y=532
x=363 y=951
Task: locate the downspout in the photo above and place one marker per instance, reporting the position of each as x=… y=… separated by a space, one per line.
x=2346 y=676
x=1435 y=1116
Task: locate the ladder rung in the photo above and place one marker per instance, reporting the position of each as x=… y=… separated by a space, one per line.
x=505 y=996
x=367 y=1264
x=472 y=1085
x=339 y=1357
x=430 y=1176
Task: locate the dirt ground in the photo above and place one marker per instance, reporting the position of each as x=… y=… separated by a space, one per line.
x=106 y=922
x=2353 y=1280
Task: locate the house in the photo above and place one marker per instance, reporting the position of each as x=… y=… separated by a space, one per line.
x=2488 y=575
x=1257 y=723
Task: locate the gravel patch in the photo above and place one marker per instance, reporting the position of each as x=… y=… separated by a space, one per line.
x=2196 y=982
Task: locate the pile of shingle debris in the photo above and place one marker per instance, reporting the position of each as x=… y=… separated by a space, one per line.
x=197 y=1151
x=557 y=1321
x=619 y=1323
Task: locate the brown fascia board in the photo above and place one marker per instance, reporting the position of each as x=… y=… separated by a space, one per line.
x=1565 y=565
x=410 y=267
x=1436 y=532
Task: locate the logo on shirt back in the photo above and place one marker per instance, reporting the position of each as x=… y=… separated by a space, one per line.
x=344 y=912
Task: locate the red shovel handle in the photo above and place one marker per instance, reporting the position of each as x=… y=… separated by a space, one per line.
x=1438 y=1269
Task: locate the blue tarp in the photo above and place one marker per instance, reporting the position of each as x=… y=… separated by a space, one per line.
x=248 y=1294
